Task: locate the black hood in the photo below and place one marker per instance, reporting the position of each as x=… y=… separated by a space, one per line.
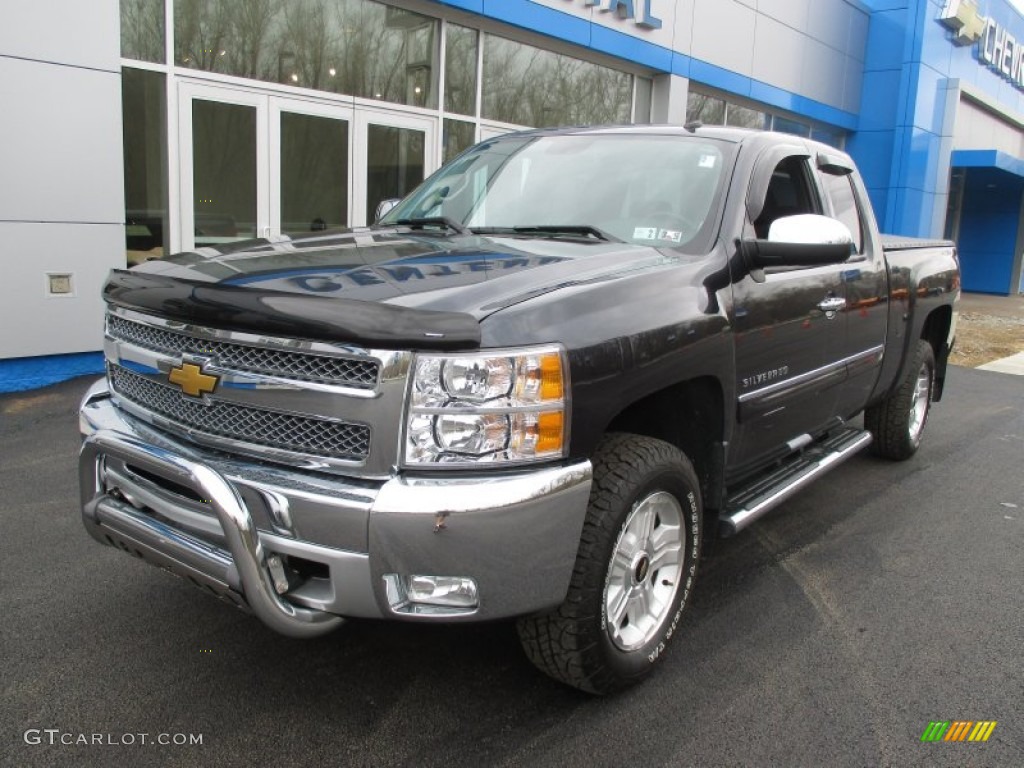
x=385 y=287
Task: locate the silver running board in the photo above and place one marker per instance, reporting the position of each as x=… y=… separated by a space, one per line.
x=766 y=493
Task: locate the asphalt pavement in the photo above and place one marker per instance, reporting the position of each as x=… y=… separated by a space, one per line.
x=884 y=597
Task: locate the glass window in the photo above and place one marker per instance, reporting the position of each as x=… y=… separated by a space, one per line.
x=790 y=193
x=460 y=70
x=145 y=164
x=314 y=173
x=355 y=47
x=394 y=164
x=785 y=125
x=742 y=117
x=707 y=109
x=844 y=206
x=642 y=105
x=529 y=86
x=825 y=136
x=224 y=171
x=660 y=191
x=458 y=135
x=142 y=30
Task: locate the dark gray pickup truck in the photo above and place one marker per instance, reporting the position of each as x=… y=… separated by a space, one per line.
x=532 y=390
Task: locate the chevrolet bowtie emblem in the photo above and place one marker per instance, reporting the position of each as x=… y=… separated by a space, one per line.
x=963 y=18
x=192 y=380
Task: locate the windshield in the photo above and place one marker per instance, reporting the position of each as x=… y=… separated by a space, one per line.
x=641 y=189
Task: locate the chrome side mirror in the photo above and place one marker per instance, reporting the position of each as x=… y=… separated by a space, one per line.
x=805 y=240
x=809 y=229
x=384 y=208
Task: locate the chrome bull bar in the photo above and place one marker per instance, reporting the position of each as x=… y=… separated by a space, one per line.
x=241 y=574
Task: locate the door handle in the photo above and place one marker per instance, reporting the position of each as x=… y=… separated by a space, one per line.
x=831 y=305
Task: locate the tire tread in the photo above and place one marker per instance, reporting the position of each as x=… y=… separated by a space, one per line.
x=561 y=643
x=888 y=420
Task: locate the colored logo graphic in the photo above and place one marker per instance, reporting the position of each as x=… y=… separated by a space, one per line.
x=958 y=730
x=963 y=18
x=192 y=380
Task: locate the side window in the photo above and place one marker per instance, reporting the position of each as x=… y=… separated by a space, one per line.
x=844 y=206
x=790 y=192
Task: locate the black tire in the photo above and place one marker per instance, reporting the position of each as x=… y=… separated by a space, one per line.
x=898 y=421
x=636 y=479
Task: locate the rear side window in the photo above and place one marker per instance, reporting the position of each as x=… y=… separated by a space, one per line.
x=844 y=206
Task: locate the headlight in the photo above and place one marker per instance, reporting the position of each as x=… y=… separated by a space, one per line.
x=505 y=406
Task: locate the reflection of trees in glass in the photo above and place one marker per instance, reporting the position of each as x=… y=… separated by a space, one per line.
x=707 y=109
x=530 y=86
x=460 y=70
x=458 y=135
x=142 y=29
x=741 y=117
x=355 y=47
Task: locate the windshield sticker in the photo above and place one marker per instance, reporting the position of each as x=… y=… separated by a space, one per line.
x=671 y=235
x=707 y=161
x=645 y=233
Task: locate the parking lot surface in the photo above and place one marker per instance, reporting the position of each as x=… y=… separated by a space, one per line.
x=884 y=597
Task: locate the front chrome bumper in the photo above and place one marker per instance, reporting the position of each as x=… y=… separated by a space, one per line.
x=227 y=524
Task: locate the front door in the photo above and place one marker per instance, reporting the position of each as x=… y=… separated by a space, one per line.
x=788 y=327
x=258 y=165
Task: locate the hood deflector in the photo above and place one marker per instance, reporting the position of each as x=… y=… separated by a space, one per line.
x=277 y=313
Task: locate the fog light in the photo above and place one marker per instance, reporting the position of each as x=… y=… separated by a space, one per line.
x=420 y=594
x=451 y=591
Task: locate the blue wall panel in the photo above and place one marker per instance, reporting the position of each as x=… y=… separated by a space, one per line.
x=988 y=229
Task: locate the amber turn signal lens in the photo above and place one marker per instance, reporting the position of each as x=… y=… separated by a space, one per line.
x=551 y=386
x=549 y=432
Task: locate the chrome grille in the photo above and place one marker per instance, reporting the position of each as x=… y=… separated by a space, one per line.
x=273 y=429
x=303 y=366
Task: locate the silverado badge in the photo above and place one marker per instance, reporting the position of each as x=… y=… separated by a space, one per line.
x=192 y=380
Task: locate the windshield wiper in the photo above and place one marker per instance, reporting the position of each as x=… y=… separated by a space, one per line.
x=550 y=230
x=434 y=221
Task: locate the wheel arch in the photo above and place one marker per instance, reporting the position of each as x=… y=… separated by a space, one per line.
x=691 y=416
x=936 y=332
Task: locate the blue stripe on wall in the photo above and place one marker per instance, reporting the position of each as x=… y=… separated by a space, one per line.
x=574 y=29
x=988 y=158
x=22 y=373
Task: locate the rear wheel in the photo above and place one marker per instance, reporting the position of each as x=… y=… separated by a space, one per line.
x=634 y=571
x=897 y=422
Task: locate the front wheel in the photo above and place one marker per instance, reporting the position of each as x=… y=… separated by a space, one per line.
x=634 y=571
x=897 y=422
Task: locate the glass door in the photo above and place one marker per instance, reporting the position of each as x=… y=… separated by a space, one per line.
x=257 y=165
x=395 y=153
x=310 y=166
x=224 y=174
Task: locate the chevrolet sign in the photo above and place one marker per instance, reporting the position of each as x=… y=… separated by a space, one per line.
x=637 y=10
x=997 y=48
x=963 y=18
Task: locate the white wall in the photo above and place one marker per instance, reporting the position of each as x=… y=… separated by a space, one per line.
x=61 y=196
x=978 y=128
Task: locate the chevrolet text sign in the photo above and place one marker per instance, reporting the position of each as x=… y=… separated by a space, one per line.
x=637 y=10
x=997 y=48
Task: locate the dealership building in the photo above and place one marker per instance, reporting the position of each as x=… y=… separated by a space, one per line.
x=145 y=127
